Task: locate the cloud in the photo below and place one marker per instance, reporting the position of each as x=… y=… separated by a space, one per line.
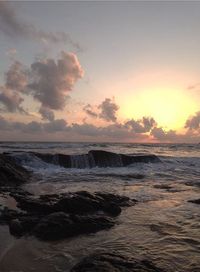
x=48 y=81
x=89 y=110
x=172 y=136
x=11 y=101
x=141 y=126
x=13 y=26
x=108 y=110
x=11 y=93
x=55 y=126
x=4 y=125
x=193 y=122
x=86 y=129
x=53 y=80
x=32 y=127
x=16 y=77
x=59 y=129
x=46 y=114
x=160 y=134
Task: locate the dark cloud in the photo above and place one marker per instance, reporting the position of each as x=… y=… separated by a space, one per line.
x=108 y=110
x=32 y=127
x=52 y=81
x=115 y=131
x=141 y=126
x=193 y=122
x=47 y=114
x=86 y=129
x=13 y=26
x=56 y=126
x=89 y=110
x=172 y=136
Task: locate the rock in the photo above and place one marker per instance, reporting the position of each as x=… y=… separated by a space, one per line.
x=52 y=217
x=15 y=227
x=60 y=225
x=73 y=203
x=93 y=158
x=109 y=159
x=196 y=201
x=163 y=186
x=113 y=262
x=11 y=173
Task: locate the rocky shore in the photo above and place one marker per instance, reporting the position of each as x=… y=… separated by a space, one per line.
x=53 y=217
x=114 y=262
x=59 y=216
x=11 y=173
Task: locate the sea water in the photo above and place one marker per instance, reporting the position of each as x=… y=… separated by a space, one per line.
x=163 y=227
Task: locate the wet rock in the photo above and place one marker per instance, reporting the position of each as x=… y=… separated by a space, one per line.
x=11 y=173
x=73 y=203
x=113 y=262
x=196 y=201
x=109 y=159
x=93 y=158
x=163 y=186
x=15 y=227
x=60 y=225
x=52 y=217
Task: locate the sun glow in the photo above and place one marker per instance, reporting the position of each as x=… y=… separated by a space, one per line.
x=169 y=107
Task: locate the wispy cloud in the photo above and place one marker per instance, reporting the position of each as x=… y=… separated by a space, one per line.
x=13 y=26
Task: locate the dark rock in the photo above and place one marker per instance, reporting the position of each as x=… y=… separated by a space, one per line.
x=95 y=158
x=8 y=214
x=60 y=225
x=113 y=262
x=23 y=224
x=58 y=159
x=11 y=173
x=163 y=186
x=52 y=217
x=105 y=159
x=77 y=203
x=15 y=227
x=196 y=201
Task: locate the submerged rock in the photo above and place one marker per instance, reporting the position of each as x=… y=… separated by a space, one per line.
x=113 y=262
x=52 y=217
x=11 y=173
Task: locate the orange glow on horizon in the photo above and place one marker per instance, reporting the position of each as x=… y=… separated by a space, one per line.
x=169 y=107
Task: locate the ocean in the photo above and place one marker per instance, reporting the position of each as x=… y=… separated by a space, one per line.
x=163 y=227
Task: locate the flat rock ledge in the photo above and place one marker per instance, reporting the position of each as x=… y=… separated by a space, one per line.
x=11 y=173
x=54 y=217
x=114 y=262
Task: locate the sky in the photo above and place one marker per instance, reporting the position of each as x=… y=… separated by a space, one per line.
x=100 y=71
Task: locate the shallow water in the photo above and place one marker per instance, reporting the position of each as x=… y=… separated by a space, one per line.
x=163 y=226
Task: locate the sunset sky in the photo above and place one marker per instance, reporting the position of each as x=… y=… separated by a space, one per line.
x=100 y=71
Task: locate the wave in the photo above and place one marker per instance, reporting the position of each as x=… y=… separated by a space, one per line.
x=94 y=158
